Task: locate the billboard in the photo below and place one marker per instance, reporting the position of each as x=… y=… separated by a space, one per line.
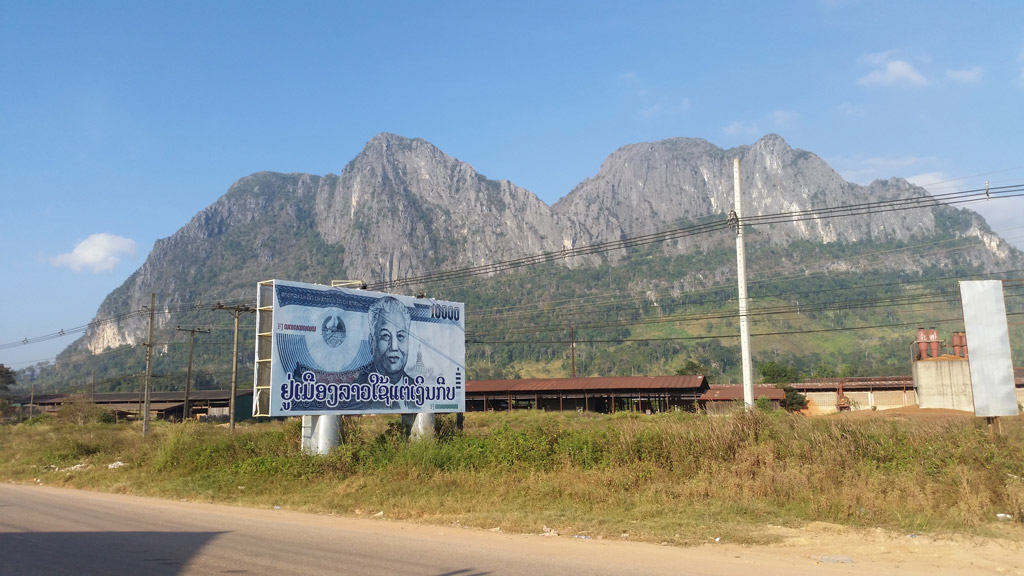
x=988 y=339
x=341 y=351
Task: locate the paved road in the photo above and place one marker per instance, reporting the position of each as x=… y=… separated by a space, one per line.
x=55 y=531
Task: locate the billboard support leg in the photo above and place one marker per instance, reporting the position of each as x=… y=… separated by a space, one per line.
x=328 y=433
x=320 y=433
x=308 y=439
x=419 y=426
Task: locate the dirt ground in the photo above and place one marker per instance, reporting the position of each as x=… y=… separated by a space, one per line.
x=819 y=549
x=912 y=412
x=877 y=551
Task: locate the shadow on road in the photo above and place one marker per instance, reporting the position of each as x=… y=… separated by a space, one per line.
x=77 y=553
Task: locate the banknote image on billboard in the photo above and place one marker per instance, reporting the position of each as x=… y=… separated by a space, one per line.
x=343 y=351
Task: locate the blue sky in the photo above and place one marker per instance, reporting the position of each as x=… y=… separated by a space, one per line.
x=119 y=121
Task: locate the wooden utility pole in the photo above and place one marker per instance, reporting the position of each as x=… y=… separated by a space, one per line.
x=186 y=409
x=234 y=358
x=149 y=364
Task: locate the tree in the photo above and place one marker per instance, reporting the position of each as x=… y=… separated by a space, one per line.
x=697 y=369
x=794 y=400
x=6 y=383
x=7 y=380
x=80 y=410
x=774 y=373
x=823 y=370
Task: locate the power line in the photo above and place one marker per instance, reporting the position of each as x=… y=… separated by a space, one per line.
x=883 y=206
x=939 y=321
x=891 y=205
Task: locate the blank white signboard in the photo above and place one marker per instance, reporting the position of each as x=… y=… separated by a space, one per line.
x=988 y=343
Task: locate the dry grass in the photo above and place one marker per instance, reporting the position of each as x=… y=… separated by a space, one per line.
x=679 y=478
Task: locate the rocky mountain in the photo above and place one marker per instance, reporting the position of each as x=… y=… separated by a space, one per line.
x=403 y=207
x=651 y=185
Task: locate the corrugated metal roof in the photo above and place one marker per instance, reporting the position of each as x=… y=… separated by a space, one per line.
x=685 y=382
x=129 y=397
x=875 y=382
x=178 y=396
x=730 y=393
x=134 y=406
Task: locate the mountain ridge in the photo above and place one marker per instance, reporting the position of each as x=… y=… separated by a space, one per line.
x=402 y=207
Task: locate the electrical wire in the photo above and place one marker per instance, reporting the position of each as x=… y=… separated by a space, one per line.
x=891 y=205
x=877 y=207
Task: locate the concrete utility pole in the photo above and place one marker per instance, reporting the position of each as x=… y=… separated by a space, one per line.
x=186 y=409
x=234 y=358
x=149 y=365
x=741 y=275
x=572 y=346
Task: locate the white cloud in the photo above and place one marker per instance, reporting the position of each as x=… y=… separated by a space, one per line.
x=777 y=118
x=738 y=127
x=930 y=181
x=863 y=170
x=632 y=82
x=99 y=253
x=890 y=72
x=851 y=110
x=653 y=103
x=782 y=118
x=968 y=76
x=665 y=108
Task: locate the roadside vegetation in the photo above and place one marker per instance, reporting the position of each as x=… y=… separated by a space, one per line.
x=677 y=478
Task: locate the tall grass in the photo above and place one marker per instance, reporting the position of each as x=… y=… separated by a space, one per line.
x=669 y=477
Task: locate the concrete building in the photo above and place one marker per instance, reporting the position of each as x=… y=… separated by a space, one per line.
x=944 y=382
x=826 y=395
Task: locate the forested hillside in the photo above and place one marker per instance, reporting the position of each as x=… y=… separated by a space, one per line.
x=632 y=272
x=831 y=310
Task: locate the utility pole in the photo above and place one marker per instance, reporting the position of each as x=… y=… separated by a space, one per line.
x=149 y=364
x=234 y=357
x=186 y=409
x=572 y=346
x=736 y=218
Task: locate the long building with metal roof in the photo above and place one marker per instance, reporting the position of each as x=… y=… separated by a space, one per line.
x=607 y=394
